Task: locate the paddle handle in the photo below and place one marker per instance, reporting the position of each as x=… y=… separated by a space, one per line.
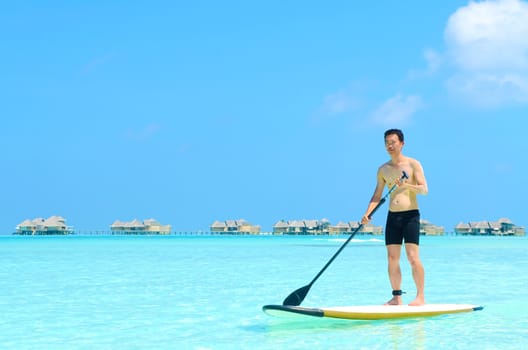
x=403 y=177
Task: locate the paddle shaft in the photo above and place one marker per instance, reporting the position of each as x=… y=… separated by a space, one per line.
x=352 y=235
x=296 y=297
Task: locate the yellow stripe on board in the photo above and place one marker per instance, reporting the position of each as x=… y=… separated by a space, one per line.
x=392 y=312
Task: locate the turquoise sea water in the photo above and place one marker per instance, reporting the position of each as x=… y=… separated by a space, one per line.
x=206 y=292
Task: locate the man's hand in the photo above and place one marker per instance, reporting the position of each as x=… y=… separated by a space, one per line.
x=365 y=219
x=400 y=182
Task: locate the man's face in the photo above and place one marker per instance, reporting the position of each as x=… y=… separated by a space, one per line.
x=393 y=144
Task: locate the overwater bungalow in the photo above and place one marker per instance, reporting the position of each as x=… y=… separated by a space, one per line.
x=463 y=228
x=368 y=229
x=301 y=227
x=323 y=226
x=280 y=227
x=239 y=226
x=136 y=227
x=501 y=227
x=297 y=227
x=339 y=228
x=315 y=227
x=429 y=229
x=218 y=226
x=351 y=226
x=54 y=225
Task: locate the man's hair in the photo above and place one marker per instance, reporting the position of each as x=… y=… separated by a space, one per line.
x=396 y=132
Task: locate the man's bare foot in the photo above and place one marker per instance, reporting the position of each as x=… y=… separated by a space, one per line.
x=419 y=301
x=396 y=300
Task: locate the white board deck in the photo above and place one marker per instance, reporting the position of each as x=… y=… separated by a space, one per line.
x=371 y=312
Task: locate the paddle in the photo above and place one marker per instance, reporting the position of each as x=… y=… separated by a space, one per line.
x=296 y=298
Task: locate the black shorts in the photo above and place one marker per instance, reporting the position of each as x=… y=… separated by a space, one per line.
x=403 y=226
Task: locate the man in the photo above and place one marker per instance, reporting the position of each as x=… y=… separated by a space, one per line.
x=403 y=219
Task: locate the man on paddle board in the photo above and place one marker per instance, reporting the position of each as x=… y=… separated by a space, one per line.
x=403 y=219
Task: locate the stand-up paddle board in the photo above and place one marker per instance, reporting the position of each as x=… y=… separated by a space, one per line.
x=373 y=312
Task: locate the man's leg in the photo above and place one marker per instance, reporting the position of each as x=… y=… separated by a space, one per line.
x=413 y=255
x=395 y=277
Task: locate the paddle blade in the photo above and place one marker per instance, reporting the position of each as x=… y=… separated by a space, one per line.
x=296 y=298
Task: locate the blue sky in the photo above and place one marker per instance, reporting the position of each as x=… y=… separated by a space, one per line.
x=191 y=112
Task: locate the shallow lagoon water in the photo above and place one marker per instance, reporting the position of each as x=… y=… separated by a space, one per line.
x=206 y=292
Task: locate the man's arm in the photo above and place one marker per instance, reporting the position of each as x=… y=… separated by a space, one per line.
x=376 y=197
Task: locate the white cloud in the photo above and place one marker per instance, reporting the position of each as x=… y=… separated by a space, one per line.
x=489 y=90
x=339 y=102
x=397 y=110
x=487 y=43
x=434 y=61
